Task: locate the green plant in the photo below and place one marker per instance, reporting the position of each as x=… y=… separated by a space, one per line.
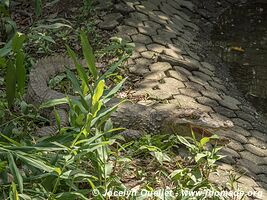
x=38 y=7
x=117 y=48
x=45 y=33
x=7 y=25
x=79 y=158
x=12 y=58
x=87 y=6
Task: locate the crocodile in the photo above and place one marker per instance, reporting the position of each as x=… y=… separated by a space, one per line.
x=136 y=118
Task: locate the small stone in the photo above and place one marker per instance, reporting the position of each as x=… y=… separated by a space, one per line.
x=138 y=16
x=218 y=86
x=148 y=54
x=233 y=135
x=159 y=94
x=155 y=47
x=230 y=102
x=139 y=70
x=139 y=47
x=242 y=131
x=189 y=92
x=175 y=48
x=246 y=117
x=197 y=80
x=194 y=86
x=110 y=21
x=224 y=111
x=211 y=94
x=206 y=71
x=207 y=101
x=187 y=64
x=128 y=30
x=230 y=154
x=259 y=135
x=124 y=8
x=173 y=54
x=258 y=143
x=177 y=75
x=182 y=70
x=172 y=85
x=202 y=76
x=160 y=66
x=140 y=38
x=158 y=75
x=252 y=157
x=250 y=167
x=188 y=102
x=235 y=146
x=208 y=66
x=256 y=150
x=242 y=123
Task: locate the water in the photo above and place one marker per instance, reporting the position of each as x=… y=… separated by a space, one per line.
x=241 y=40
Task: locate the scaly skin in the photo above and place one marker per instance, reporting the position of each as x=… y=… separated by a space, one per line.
x=137 y=118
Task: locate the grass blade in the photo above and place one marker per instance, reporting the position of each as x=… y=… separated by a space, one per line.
x=54 y=102
x=88 y=55
x=20 y=72
x=10 y=84
x=15 y=172
x=80 y=69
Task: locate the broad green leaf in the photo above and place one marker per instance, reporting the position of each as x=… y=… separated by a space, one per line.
x=10 y=83
x=25 y=197
x=159 y=156
x=17 y=42
x=88 y=55
x=184 y=141
x=20 y=72
x=58 y=171
x=108 y=169
x=15 y=172
x=54 y=102
x=98 y=92
x=35 y=163
x=204 y=141
x=199 y=156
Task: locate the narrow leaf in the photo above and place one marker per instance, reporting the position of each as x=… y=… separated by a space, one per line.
x=15 y=172
x=17 y=41
x=88 y=55
x=20 y=72
x=75 y=83
x=10 y=84
x=54 y=102
x=38 y=7
x=80 y=69
x=98 y=92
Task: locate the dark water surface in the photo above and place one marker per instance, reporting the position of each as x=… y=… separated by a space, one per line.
x=241 y=41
